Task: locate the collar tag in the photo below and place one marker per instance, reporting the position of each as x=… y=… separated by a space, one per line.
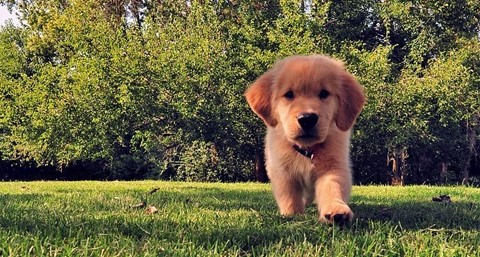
x=306 y=153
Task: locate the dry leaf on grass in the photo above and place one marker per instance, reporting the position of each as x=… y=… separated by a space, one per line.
x=139 y=205
x=151 y=209
x=443 y=199
x=153 y=190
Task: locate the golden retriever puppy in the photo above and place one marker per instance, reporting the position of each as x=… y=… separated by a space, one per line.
x=309 y=104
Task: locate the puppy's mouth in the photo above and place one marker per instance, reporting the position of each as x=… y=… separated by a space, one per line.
x=304 y=137
x=307 y=136
x=307 y=139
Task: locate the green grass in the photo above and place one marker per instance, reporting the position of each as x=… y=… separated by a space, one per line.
x=195 y=219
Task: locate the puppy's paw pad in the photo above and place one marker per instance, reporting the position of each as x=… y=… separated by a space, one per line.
x=338 y=219
x=340 y=215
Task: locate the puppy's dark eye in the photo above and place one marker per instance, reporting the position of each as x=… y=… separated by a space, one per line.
x=323 y=94
x=289 y=95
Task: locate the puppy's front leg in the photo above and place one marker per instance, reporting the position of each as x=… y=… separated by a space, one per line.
x=288 y=194
x=332 y=192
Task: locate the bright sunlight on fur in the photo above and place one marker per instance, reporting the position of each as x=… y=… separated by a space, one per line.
x=309 y=104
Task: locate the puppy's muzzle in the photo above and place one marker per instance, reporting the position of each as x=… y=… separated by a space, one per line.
x=307 y=120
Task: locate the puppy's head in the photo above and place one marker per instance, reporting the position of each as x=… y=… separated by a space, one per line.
x=307 y=96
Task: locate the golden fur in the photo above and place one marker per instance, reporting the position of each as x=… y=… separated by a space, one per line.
x=294 y=88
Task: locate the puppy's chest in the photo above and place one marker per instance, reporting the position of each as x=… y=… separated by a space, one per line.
x=291 y=163
x=300 y=164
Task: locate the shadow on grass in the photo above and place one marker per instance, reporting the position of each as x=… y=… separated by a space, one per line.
x=272 y=229
x=25 y=213
x=420 y=215
x=410 y=214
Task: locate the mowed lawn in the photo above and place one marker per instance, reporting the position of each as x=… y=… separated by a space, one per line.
x=239 y=219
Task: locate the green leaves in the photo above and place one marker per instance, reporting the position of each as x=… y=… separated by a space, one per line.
x=139 y=86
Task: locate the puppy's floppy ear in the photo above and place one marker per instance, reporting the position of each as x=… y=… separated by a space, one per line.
x=259 y=97
x=351 y=101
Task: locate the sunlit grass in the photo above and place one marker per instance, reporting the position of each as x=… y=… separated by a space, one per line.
x=200 y=219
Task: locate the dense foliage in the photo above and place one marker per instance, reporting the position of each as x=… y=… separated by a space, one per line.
x=133 y=89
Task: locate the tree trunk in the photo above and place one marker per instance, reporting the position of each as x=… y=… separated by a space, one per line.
x=396 y=165
x=443 y=172
x=260 y=171
x=472 y=140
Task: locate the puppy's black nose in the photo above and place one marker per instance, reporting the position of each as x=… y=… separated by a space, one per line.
x=307 y=120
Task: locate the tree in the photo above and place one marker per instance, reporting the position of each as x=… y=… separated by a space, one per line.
x=136 y=89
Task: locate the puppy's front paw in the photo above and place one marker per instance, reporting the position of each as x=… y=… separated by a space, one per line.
x=338 y=213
